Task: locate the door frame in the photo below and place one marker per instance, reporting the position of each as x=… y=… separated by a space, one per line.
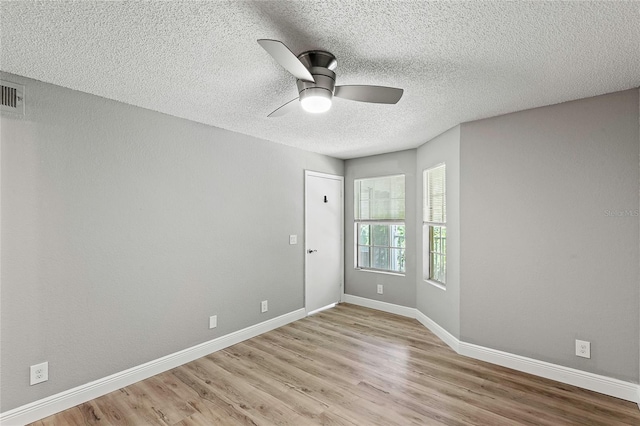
x=307 y=174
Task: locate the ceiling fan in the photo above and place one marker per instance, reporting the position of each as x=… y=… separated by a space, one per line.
x=316 y=81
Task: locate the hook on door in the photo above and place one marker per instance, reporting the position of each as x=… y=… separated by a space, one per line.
x=325 y=199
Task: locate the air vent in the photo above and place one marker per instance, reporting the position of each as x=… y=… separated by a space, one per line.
x=12 y=97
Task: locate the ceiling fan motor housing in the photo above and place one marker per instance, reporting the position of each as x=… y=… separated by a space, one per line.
x=321 y=65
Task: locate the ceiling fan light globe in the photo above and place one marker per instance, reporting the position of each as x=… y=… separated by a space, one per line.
x=315 y=100
x=316 y=104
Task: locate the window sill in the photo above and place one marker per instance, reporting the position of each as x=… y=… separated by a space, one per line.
x=436 y=284
x=397 y=274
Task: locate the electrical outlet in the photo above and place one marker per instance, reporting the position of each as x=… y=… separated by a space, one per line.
x=264 y=306
x=379 y=288
x=583 y=349
x=213 y=321
x=293 y=239
x=39 y=373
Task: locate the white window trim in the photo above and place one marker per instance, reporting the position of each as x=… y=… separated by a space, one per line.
x=436 y=284
x=380 y=271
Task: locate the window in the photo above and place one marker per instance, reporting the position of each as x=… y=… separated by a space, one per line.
x=434 y=224
x=379 y=223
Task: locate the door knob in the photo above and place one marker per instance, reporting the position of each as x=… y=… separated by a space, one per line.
x=311 y=251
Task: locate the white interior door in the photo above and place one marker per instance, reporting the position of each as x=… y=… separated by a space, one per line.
x=324 y=210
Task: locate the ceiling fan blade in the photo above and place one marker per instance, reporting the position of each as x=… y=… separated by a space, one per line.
x=285 y=109
x=287 y=59
x=373 y=94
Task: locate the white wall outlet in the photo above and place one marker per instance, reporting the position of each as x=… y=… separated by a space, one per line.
x=39 y=373
x=583 y=349
x=293 y=239
x=264 y=306
x=213 y=321
x=380 y=289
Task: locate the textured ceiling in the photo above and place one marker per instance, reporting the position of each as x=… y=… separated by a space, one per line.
x=457 y=61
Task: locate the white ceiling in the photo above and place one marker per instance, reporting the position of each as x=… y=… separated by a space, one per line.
x=457 y=61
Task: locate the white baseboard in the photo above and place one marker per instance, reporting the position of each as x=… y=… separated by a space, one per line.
x=595 y=382
x=380 y=306
x=435 y=328
x=324 y=308
x=70 y=398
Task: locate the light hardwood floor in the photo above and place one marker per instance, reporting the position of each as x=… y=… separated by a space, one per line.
x=347 y=366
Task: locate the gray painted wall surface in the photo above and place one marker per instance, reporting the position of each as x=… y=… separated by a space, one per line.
x=442 y=306
x=400 y=290
x=541 y=263
x=124 y=229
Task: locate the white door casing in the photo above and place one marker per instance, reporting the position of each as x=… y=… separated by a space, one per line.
x=324 y=236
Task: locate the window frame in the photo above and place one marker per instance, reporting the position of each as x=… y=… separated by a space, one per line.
x=388 y=222
x=428 y=230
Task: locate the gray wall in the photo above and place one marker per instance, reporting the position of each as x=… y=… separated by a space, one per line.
x=543 y=262
x=442 y=306
x=124 y=229
x=400 y=290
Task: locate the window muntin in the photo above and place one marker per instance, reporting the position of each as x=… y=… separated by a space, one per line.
x=379 y=213
x=434 y=220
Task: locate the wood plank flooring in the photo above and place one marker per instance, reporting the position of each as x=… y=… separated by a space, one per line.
x=347 y=366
